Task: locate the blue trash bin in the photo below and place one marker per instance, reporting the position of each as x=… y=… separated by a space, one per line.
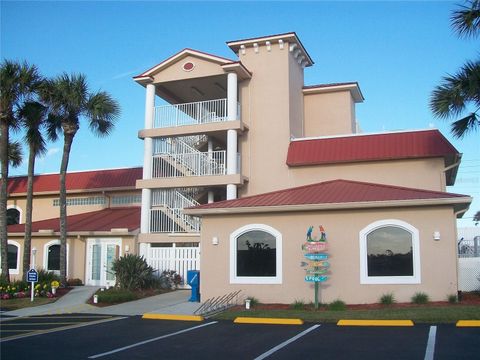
x=193 y=279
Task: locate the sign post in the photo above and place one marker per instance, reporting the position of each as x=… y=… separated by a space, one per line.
x=316 y=264
x=32 y=278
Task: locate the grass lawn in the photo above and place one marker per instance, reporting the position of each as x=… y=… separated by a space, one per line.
x=14 y=304
x=420 y=314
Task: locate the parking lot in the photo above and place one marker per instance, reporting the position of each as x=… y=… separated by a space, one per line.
x=134 y=338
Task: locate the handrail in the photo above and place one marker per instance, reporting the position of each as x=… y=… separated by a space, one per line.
x=199 y=112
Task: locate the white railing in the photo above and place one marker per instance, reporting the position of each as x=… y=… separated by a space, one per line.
x=176 y=145
x=189 y=164
x=165 y=219
x=167 y=212
x=200 y=112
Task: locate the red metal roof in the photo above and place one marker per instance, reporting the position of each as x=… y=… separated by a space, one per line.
x=332 y=192
x=373 y=147
x=83 y=180
x=102 y=220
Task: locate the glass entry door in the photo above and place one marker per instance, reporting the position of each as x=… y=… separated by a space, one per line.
x=100 y=256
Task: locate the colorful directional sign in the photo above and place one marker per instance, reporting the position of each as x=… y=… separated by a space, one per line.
x=315 y=278
x=316 y=265
x=316 y=256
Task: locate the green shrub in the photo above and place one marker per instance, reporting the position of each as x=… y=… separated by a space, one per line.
x=115 y=295
x=337 y=305
x=298 y=305
x=452 y=298
x=253 y=301
x=47 y=277
x=169 y=279
x=74 y=282
x=387 y=299
x=133 y=272
x=420 y=298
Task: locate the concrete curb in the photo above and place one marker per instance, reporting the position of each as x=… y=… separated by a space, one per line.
x=276 y=321
x=375 y=323
x=152 y=316
x=468 y=323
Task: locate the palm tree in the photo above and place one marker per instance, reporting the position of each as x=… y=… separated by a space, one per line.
x=460 y=93
x=15 y=156
x=17 y=82
x=33 y=116
x=70 y=101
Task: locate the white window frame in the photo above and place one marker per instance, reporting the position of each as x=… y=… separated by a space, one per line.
x=17 y=270
x=45 y=255
x=20 y=216
x=414 y=279
x=234 y=279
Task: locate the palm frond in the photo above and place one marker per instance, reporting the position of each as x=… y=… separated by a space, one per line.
x=15 y=155
x=102 y=111
x=33 y=115
x=465 y=125
x=466 y=20
x=53 y=126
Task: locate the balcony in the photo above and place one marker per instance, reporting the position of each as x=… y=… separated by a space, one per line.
x=194 y=113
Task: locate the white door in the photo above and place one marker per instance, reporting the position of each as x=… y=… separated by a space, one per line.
x=100 y=256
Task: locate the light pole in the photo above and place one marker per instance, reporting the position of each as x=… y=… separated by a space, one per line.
x=32 y=266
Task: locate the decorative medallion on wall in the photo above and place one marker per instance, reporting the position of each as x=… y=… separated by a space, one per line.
x=317 y=265
x=188 y=66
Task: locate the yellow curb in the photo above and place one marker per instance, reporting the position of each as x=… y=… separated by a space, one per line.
x=276 y=321
x=468 y=323
x=375 y=323
x=172 y=317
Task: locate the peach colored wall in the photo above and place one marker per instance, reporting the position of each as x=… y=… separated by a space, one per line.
x=175 y=71
x=43 y=204
x=416 y=173
x=329 y=114
x=438 y=258
x=76 y=253
x=295 y=85
x=266 y=112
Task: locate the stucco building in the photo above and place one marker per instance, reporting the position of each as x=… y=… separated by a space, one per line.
x=242 y=158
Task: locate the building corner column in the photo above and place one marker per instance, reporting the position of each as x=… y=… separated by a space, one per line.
x=232 y=136
x=147 y=158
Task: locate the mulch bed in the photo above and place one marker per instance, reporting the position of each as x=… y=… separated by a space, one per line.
x=140 y=295
x=466 y=299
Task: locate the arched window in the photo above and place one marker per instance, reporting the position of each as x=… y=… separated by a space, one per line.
x=13 y=216
x=13 y=257
x=389 y=253
x=256 y=255
x=51 y=256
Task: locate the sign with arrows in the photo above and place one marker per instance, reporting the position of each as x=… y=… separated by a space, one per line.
x=316 y=266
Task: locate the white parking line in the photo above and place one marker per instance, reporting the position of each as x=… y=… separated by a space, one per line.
x=431 y=343
x=150 y=340
x=285 y=343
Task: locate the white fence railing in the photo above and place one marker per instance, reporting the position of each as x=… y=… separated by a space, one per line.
x=189 y=164
x=180 y=259
x=200 y=112
x=469 y=248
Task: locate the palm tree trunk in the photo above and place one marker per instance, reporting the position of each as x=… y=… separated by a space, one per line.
x=67 y=144
x=3 y=196
x=28 y=212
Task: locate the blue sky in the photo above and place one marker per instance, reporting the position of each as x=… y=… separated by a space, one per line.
x=397 y=51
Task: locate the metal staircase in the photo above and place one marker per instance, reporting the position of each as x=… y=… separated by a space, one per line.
x=179 y=156
x=167 y=214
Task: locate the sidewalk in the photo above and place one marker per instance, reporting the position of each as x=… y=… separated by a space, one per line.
x=175 y=302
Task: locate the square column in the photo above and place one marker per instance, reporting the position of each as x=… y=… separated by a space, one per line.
x=147 y=159
x=232 y=100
